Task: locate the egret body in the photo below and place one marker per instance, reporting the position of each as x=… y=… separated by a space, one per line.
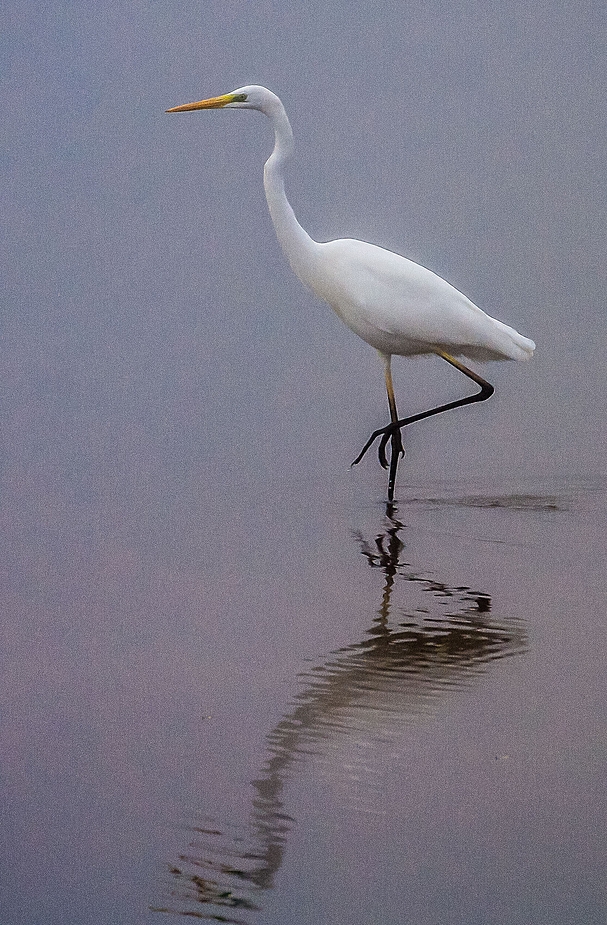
x=392 y=303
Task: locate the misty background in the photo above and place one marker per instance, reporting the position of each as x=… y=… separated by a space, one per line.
x=141 y=268
x=179 y=524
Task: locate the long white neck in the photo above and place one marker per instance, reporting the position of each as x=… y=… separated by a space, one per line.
x=300 y=249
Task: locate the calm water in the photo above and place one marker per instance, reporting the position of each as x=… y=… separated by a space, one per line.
x=234 y=686
x=323 y=711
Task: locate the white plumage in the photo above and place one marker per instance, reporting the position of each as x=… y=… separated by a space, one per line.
x=394 y=304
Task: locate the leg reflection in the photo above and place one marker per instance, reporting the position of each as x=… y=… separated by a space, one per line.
x=427 y=638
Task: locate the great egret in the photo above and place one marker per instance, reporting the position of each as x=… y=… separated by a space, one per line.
x=395 y=305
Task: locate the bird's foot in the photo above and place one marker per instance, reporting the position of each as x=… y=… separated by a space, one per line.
x=390 y=431
x=393 y=435
x=368 y=445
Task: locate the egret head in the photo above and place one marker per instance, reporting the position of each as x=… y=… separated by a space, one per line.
x=252 y=97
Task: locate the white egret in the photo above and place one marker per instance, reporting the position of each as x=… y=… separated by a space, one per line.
x=394 y=304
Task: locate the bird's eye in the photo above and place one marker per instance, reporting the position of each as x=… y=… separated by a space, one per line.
x=239 y=98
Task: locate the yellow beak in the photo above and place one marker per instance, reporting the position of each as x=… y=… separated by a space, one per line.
x=216 y=102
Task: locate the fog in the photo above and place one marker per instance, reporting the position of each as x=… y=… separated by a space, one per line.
x=181 y=531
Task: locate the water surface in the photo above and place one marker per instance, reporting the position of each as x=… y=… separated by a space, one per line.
x=234 y=686
x=348 y=712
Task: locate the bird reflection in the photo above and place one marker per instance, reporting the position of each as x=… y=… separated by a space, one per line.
x=413 y=652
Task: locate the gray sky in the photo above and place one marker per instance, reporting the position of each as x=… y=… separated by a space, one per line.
x=143 y=284
x=178 y=520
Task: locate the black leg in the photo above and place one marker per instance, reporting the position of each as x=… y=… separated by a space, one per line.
x=386 y=433
x=395 y=438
